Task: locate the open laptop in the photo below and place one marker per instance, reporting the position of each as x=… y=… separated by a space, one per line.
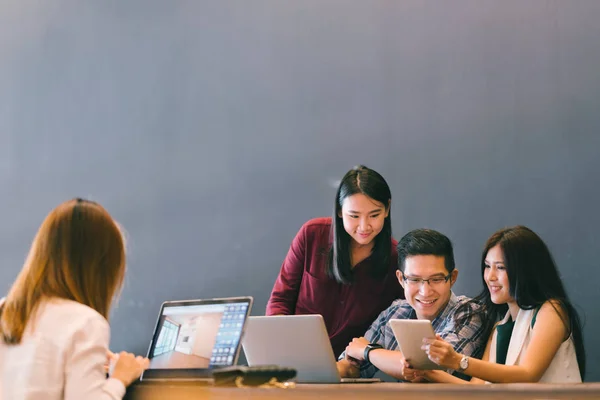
x=296 y=341
x=193 y=337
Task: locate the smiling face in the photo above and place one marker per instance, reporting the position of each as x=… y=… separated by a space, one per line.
x=496 y=276
x=428 y=299
x=363 y=218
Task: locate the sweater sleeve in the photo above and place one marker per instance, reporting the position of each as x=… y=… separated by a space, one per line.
x=287 y=285
x=84 y=376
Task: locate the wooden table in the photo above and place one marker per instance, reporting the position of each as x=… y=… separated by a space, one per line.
x=373 y=391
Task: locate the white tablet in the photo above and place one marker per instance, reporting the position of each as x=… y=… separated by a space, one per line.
x=410 y=334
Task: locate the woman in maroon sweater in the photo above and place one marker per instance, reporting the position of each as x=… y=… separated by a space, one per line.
x=344 y=270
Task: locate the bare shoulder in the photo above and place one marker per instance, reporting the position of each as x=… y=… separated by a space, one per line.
x=554 y=316
x=553 y=309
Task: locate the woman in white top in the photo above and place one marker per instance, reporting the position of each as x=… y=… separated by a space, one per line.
x=54 y=332
x=539 y=337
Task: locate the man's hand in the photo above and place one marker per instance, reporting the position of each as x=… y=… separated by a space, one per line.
x=356 y=350
x=409 y=374
x=348 y=369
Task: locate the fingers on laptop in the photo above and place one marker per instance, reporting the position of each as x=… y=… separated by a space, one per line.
x=129 y=367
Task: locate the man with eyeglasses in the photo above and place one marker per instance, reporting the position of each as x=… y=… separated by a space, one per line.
x=427 y=273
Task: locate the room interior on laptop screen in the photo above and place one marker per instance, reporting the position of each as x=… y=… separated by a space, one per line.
x=198 y=336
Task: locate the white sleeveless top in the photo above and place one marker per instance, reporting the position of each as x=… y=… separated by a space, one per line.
x=563 y=368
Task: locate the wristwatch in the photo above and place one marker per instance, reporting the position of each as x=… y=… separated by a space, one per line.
x=464 y=363
x=371 y=346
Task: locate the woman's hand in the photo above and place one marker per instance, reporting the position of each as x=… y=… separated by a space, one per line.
x=111 y=359
x=441 y=352
x=128 y=367
x=411 y=375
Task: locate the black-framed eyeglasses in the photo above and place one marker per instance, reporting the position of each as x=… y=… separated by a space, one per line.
x=435 y=281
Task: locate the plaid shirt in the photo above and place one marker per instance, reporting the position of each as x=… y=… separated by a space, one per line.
x=466 y=338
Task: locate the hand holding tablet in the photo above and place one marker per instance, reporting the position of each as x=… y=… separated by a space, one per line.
x=410 y=334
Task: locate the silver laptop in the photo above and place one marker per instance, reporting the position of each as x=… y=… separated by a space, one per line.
x=296 y=341
x=193 y=337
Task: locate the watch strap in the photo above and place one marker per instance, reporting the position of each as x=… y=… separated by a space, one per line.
x=371 y=346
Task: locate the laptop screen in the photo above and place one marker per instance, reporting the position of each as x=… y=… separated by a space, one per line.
x=198 y=334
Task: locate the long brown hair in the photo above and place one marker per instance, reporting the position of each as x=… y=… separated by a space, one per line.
x=77 y=254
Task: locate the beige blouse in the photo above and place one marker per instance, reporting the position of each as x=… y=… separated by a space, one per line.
x=563 y=368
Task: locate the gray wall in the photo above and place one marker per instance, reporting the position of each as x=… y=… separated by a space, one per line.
x=213 y=129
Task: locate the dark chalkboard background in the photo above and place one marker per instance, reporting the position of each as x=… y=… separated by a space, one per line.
x=213 y=129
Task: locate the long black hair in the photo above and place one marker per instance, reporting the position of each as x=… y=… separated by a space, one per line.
x=360 y=179
x=533 y=279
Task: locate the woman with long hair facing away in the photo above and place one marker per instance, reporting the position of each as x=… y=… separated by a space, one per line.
x=54 y=332
x=343 y=267
x=539 y=336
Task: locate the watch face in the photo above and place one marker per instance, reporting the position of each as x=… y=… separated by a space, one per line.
x=464 y=363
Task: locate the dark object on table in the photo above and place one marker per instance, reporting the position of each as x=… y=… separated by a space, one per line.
x=252 y=376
